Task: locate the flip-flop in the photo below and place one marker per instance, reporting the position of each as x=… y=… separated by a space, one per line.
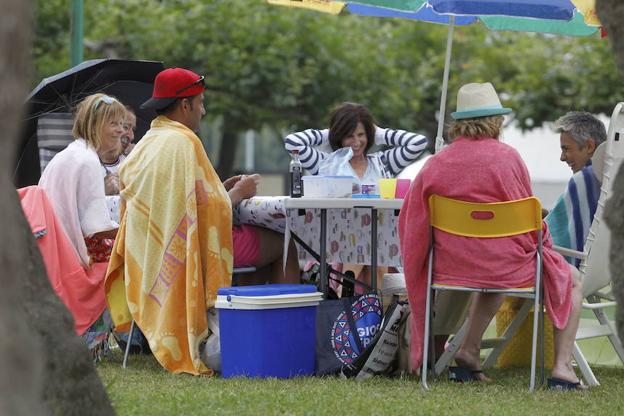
x=558 y=384
x=461 y=374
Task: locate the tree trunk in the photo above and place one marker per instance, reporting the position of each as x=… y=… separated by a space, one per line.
x=615 y=220
x=45 y=367
x=21 y=384
x=21 y=351
x=611 y=14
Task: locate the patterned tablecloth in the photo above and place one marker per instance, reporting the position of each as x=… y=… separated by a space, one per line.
x=348 y=230
x=112 y=202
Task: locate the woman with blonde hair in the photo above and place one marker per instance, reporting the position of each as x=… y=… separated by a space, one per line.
x=73 y=183
x=478 y=167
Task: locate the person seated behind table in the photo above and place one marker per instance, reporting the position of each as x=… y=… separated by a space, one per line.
x=569 y=221
x=478 y=167
x=352 y=126
x=73 y=183
x=257 y=246
x=177 y=245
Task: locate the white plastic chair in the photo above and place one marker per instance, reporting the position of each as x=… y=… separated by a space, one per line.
x=595 y=273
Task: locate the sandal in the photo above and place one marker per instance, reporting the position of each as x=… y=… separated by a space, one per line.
x=558 y=384
x=461 y=374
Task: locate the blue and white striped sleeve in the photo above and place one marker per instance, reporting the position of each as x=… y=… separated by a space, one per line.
x=406 y=148
x=305 y=142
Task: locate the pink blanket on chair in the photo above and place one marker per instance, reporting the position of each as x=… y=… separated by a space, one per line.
x=483 y=170
x=82 y=291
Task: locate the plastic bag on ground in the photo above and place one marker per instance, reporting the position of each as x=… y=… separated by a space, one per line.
x=210 y=354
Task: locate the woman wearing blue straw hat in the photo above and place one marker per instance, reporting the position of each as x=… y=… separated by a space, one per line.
x=478 y=167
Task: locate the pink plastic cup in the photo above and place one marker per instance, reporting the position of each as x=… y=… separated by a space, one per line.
x=402 y=187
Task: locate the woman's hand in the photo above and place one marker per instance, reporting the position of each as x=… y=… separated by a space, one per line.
x=111 y=184
x=245 y=187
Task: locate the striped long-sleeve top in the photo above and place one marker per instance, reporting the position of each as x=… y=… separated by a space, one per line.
x=406 y=148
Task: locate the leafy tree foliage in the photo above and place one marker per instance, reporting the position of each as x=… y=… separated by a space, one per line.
x=286 y=68
x=52 y=38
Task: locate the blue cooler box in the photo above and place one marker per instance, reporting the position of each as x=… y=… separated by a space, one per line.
x=268 y=330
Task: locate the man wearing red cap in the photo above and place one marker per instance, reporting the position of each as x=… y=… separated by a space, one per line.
x=176 y=245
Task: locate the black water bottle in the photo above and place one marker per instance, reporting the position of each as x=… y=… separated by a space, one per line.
x=348 y=286
x=296 y=170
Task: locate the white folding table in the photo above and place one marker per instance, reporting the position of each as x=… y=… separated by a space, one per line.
x=374 y=204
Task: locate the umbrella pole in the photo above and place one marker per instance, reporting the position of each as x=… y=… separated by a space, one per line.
x=447 y=63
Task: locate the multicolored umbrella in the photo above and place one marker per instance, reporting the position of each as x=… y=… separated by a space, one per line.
x=544 y=16
x=561 y=17
x=588 y=9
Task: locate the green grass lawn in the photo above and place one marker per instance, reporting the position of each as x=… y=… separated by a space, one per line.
x=146 y=389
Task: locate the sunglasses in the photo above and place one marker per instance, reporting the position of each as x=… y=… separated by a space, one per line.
x=200 y=81
x=104 y=99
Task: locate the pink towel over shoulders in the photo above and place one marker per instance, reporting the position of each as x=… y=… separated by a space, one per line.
x=82 y=291
x=483 y=170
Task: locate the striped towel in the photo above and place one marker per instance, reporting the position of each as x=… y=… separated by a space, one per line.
x=570 y=219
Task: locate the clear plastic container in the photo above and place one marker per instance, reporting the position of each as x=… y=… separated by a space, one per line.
x=327 y=186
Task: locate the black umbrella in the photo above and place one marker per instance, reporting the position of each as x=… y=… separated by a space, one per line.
x=130 y=81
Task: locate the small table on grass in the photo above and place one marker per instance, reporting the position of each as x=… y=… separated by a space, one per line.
x=323 y=204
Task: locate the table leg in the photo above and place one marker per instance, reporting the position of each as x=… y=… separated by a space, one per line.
x=324 y=282
x=374 y=248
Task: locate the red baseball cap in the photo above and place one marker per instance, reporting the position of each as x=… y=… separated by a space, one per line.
x=173 y=83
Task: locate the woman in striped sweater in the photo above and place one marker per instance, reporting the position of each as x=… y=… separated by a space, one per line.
x=352 y=125
x=352 y=129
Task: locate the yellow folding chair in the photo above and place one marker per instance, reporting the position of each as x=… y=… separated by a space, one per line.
x=486 y=220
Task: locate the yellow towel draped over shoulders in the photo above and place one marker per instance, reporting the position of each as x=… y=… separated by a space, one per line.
x=174 y=246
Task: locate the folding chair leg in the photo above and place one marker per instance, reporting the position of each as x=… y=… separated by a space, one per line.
x=536 y=317
x=127 y=352
x=427 y=334
x=615 y=341
x=426 y=341
x=508 y=334
x=453 y=346
x=617 y=344
x=542 y=340
x=586 y=371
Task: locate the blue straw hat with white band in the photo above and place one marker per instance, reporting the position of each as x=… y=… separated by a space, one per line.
x=478 y=100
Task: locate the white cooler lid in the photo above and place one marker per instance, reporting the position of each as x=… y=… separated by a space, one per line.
x=291 y=300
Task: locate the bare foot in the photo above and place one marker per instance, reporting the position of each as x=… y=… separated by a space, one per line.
x=566 y=373
x=472 y=363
